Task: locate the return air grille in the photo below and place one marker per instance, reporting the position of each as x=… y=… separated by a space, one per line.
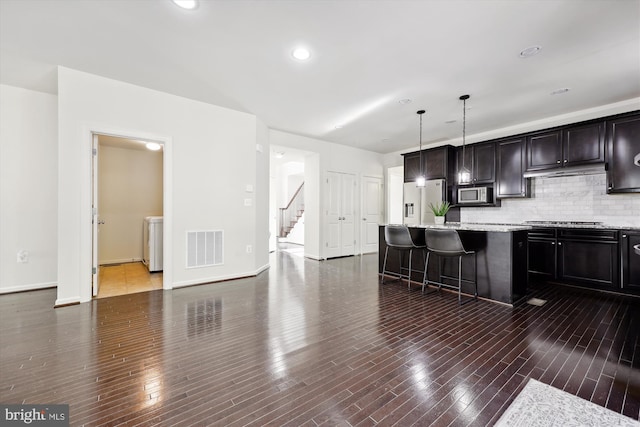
x=204 y=248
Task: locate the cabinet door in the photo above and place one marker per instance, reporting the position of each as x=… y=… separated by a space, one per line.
x=623 y=145
x=542 y=258
x=484 y=163
x=588 y=262
x=435 y=163
x=544 y=151
x=630 y=260
x=583 y=144
x=511 y=162
x=411 y=166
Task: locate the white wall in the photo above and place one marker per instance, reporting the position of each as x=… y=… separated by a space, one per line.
x=129 y=189
x=210 y=157
x=28 y=188
x=328 y=157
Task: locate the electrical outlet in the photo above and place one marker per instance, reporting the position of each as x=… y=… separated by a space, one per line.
x=249 y=249
x=248 y=202
x=23 y=256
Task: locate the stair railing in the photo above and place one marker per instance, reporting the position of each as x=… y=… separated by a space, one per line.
x=290 y=214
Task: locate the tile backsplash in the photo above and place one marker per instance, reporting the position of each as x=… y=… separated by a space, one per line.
x=570 y=198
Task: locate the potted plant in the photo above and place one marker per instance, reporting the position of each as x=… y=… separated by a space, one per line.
x=440 y=210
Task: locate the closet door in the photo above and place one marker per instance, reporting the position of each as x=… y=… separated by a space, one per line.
x=340 y=214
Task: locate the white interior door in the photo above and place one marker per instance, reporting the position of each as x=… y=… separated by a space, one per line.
x=371 y=213
x=95 y=219
x=340 y=199
x=348 y=210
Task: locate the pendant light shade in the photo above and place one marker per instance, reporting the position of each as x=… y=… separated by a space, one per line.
x=420 y=179
x=464 y=174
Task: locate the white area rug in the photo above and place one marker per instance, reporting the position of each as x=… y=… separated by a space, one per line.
x=540 y=405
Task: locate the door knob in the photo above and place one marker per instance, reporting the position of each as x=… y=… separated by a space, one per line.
x=100 y=221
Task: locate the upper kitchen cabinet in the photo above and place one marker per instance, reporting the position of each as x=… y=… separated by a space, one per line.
x=570 y=146
x=623 y=155
x=511 y=164
x=583 y=144
x=544 y=150
x=480 y=159
x=411 y=166
x=439 y=163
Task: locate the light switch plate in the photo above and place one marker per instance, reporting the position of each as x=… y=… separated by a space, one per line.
x=249 y=188
x=247 y=202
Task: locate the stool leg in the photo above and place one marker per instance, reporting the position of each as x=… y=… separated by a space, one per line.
x=425 y=278
x=460 y=280
x=410 y=258
x=384 y=266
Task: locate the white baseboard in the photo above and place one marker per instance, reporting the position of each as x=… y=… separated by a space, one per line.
x=208 y=280
x=67 y=301
x=29 y=287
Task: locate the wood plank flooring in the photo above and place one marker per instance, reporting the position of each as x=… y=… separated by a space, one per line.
x=310 y=343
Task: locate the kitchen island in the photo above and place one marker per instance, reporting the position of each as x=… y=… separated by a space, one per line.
x=501 y=260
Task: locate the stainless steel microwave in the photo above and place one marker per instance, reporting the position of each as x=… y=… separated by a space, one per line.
x=474 y=195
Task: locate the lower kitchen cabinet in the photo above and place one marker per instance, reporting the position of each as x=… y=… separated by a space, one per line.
x=630 y=260
x=541 y=247
x=588 y=257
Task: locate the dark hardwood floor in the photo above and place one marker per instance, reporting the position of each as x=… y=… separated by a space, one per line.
x=313 y=343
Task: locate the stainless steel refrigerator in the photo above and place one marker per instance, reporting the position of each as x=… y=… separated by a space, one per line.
x=416 y=201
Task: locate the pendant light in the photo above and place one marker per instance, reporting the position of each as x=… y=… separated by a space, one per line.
x=464 y=174
x=420 y=179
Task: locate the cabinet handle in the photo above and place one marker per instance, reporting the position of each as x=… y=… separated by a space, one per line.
x=559 y=244
x=558 y=161
x=624 y=236
x=565 y=160
x=553 y=243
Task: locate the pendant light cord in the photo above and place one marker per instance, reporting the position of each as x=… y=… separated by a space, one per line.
x=464 y=129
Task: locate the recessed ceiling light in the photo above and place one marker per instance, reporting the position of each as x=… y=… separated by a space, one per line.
x=530 y=51
x=450 y=121
x=186 y=4
x=153 y=146
x=404 y=101
x=339 y=126
x=385 y=140
x=560 y=91
x=301 y=53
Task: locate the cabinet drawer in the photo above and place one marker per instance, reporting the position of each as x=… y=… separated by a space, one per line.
x=542 y=233
x=588 y=234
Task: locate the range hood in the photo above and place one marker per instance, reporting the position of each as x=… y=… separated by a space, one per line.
x=567 y=171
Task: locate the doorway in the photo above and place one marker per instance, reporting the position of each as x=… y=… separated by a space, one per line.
x=287 y=200
x=127 y=199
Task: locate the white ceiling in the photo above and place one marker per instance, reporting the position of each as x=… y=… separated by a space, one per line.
x=366 y=56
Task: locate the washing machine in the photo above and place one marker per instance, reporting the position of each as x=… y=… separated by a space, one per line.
x=152 y=243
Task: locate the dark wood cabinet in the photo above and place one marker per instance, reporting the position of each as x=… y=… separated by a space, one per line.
x=570 y=146
x=630 y=260
x=623 y=145
x=480 y=159
x=411 y=166
x=583 y=144
x=511 y=164
x=439 y=162
x=544 y=150
x=588 y=257
x=541 y=249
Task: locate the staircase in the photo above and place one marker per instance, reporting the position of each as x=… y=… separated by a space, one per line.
x=291 y=214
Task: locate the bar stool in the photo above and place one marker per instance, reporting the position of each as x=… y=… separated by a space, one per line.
x=446 y=243
x=399 y=238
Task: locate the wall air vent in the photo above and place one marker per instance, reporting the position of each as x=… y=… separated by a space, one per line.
x=204 y=248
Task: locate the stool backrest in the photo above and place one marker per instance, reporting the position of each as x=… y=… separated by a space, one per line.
x=444 y=242
x=398 y=236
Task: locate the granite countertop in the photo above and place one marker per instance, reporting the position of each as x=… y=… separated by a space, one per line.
x=508 y=227
x=501 y=228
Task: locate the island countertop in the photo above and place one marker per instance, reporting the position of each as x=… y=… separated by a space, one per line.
x=500 y=228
